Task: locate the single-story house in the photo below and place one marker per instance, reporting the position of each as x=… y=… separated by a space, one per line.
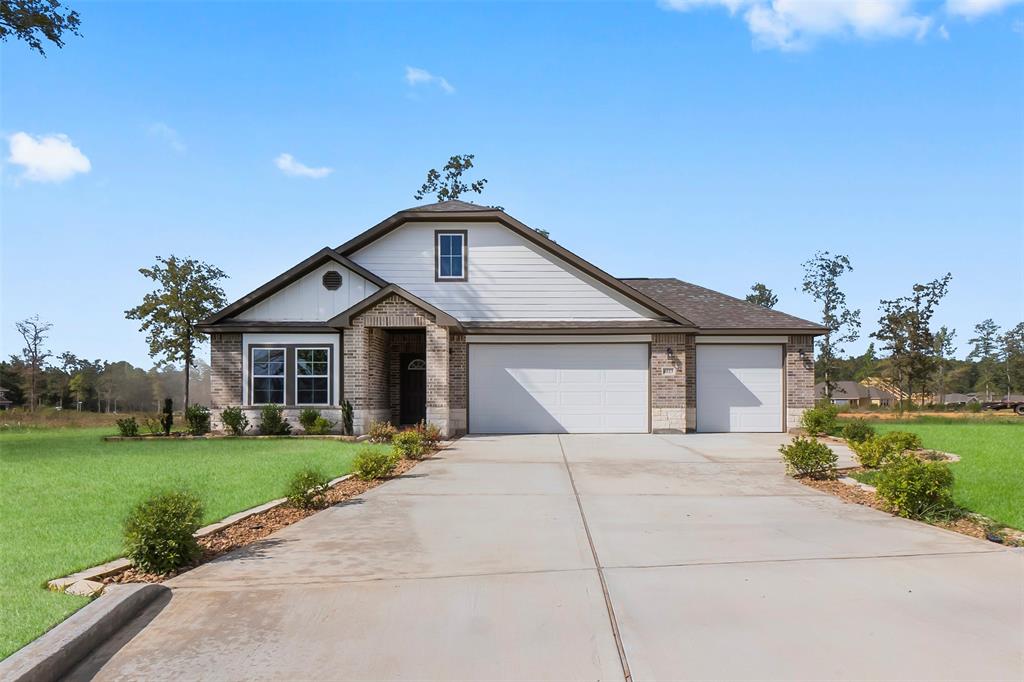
x=855 y=394
x=461 y=315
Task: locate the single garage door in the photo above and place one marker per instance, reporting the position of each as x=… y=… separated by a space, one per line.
x=739 y=388
x=558 y=388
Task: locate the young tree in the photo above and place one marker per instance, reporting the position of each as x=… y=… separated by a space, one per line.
x=34 y=354
x=821 y=281
x=36 y=20
x=762 y=296
x=1012 y=355
x=985 y=352
x=944 y=349
x=188 y=291
x=450 y=186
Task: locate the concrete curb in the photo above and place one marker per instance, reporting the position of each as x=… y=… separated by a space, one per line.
x=54 y=654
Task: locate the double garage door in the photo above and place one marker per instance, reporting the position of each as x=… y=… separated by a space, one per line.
x=604 y=388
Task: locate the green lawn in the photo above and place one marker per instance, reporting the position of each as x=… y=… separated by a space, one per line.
x=989 y=478
x=64 y=493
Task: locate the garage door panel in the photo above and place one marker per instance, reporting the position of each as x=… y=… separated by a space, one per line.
x=739 y=388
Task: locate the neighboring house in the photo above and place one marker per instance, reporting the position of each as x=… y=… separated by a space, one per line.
x=956 y=399
x=854 y=394
x=463 y=316
x=4 y=401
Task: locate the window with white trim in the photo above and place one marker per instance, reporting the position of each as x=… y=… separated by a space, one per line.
x=451 y=255
x=268 y=376
x=312 y=376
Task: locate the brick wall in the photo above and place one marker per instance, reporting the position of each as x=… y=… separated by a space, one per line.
x=225 y=375
x=458 y=383
x=668 y=382
x=799 y=378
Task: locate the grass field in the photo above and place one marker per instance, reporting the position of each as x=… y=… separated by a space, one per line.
x=65 y=492
x=989 y=478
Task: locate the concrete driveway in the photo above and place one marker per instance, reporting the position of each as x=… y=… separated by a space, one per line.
x=591 y=557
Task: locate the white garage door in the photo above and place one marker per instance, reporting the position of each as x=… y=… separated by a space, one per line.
x=739 y=388
x=558 y=388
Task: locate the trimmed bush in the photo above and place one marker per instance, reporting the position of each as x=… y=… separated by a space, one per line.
x=128 y=427
x=234 y=418
x=431 y=433
x=272 y=421
x=901 y=441
x=373 y=463
x=197 y=417
x=158 y=533
x=382 y=432
x=314 y=424
x=871 y=453
x=821 y=419
x=409 y=444
x=916 y=489
x=808 y=457
x=858 y=431
x=307 y=488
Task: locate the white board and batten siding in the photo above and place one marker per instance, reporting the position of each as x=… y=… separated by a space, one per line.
x=308 y=300
x=509 y=278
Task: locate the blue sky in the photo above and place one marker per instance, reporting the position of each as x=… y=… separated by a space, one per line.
x=677 y=139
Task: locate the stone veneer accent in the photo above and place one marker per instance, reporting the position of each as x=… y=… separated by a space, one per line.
x=225 y=375
x=799 y=378
x=670 y=381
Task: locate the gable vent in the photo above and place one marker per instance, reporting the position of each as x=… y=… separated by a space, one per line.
x=332 y=280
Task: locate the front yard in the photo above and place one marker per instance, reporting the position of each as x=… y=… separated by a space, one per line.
x=64 y=493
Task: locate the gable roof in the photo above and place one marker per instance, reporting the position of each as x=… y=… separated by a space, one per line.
x=843 y=390
x=712 y=310
x=291 y=275
x=463 y=211
x=344 y=318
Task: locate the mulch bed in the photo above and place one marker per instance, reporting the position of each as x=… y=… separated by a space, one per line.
x=259 y=526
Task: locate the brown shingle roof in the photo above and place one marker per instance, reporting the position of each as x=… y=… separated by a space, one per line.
x=710 y=309
x=452 y=205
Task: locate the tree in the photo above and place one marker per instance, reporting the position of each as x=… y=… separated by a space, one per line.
x=35 y=20
x=188 y=291
x=821 y=281
x=1012 y=355
x=450 y=186
x=944 y=349
x=762 y=296
x=33 y=332
x=985 y=351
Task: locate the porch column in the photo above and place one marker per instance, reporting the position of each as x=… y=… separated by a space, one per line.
x=437 y=378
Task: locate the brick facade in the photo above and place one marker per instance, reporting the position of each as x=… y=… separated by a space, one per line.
x=799 y=378
x=458 y=383
x=225 y=375
x=669 y=382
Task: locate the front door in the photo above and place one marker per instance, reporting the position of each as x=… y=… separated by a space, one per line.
x=412 y=388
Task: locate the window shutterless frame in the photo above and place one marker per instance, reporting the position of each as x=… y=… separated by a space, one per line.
x=267 y=369
x=451 y=259
x=312 y=376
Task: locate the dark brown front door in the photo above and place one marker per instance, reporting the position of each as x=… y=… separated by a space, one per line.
x=412 y=388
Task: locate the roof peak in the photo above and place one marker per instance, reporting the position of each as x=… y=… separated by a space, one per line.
x=451 y=205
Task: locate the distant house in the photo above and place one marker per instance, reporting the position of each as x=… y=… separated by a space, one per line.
x=957 y=399
x=854 y=394
x=4 y=402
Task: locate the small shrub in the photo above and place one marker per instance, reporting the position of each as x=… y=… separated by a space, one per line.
x=409 y=444
x=272 y=421
x=158 y=533
x=382 y=432
x=308 y=417
x=820 y=419
x=152 y=425
x=197 y=417
x=874 y=452
x=808 y=457
x=858 y=431
x=307 y=488
x=320 y=427
x=128 y=427
x=346 y=418
x=916 y=489
x=167 y=416
x=431 y=433
x=901 y=441
x=234 y=418
x=373 y=463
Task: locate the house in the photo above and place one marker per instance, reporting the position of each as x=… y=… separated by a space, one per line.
x=4 y=401
x=854 y=394
x=462 y=315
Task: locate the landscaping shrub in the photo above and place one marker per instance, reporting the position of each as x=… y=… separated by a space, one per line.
x=158 y=533
x=808 y=457
x=820 y=419
x=307 y=488
x=373 y=463
x=234 y=418
x=128 y=427
x=872 y=452
x=409 y=444
x=346 y=418
x=858 y=431
x=313 y=423
x=152 y=425
x=167 y=416
x=197 y=417
x=272 y=421
x=431 y=433
x=901 y=441
x=382 y=432
x=916 y=489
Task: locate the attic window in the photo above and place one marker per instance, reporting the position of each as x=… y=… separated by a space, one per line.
x=332 y=280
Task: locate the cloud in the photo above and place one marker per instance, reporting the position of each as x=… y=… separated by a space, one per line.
x=798 y=24
x=167 y=134
x=289 y=166
x=972 y=9
x=943 y=32
x=48 y=158
x=414 y=77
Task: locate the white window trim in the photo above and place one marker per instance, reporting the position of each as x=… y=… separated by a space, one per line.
x=462 y=239
x=253 y=376
x=327 y=376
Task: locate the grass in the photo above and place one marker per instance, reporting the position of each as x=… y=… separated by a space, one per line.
x=65 y=492
x=989 y=478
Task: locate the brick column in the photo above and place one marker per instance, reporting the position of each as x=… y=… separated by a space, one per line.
x=437 y=378
x=225 y=375
x=690 y=362
x=458 y=384
x=668 y=383
x=799 y=378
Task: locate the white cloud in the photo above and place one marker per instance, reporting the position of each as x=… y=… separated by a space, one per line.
x=414 y=77
x=47 y=158
x=972 y=9
x=168 y=135
x=943 y=32
x=290 y=166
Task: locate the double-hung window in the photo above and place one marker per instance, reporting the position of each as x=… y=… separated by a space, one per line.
x=312 y=374
x=268 y=376
x=451 y=256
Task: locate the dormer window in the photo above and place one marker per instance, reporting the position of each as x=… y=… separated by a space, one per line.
x=450 y=263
